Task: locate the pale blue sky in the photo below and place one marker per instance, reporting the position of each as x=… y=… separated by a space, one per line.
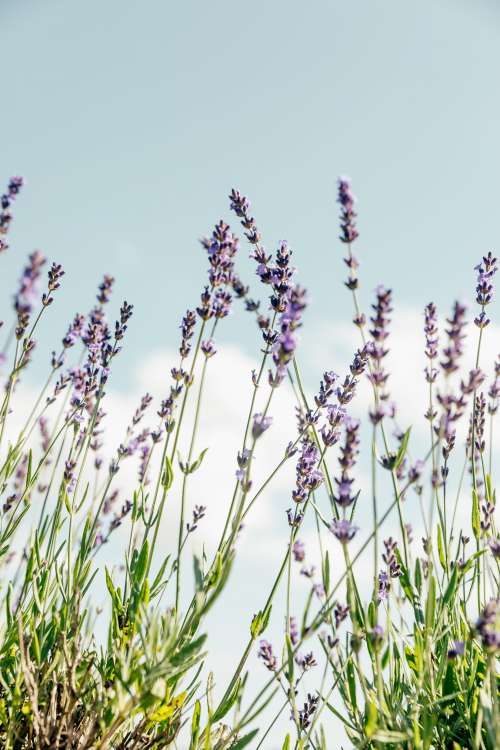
x=131 y=121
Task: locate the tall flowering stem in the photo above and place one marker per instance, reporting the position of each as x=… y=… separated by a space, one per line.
x=379 y=320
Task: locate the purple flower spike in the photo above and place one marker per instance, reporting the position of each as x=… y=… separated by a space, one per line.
x=299 y=551
x=208 y=348
x=241 y=206
x=494 y=545
x=458 y=649
x=260 y=424
x=379 y=332
x=293 y=630
x=456 y=335
x=347 y=460
x=13 y=189
x=343 y=530
x=221 y=248
x=484 y=289
x=27 y=294
x=431 y=341
x=266 y=654
x=187 y=328
x=347 y=201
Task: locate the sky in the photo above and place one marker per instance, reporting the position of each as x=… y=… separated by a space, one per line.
x=132 y=121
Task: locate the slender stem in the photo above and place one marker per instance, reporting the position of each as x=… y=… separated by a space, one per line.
x=185 y=477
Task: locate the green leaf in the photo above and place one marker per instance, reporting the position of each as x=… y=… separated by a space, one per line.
x=110 y=585
x=256 y=625
x=228 y=703
x=430 y=606
x=476 y=522
x=418 y=576
x=29 y=468
x=370 y=718
x=157 y=581
x=402 y=449
x=168 y=474
x=260 y=622
x=351 y=682
x=326 y=573
x=452 y=586
x=289 y=651
x=196 y=464
x=442 y=558
x=404 y=578
x=210 y=696
x=265 y=617
x=188 y=651
x=142 y=561
x=386 y=736
x=286 y=744
x=215 y=572
x=195 y=726
x=372 y=615
x=489 y=493
x=198 y=573
x=245 y=740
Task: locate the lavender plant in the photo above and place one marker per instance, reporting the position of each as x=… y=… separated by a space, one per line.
x=405 y=656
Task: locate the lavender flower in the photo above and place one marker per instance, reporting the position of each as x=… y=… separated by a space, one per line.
x=119 y=517
x=187 y=329
x=494 y=545
x=13 y=189
x=145 y=453
x=208 y=348
x=198 y=513
x=74 y=331
x=266 y=654
x=484 y=289
x=298 y=551
x=141 y=409
x=221 y=248
x=347 y=460
x=457 y=649
x=306 y=661
x=347 y=201
x=431 y=341
x=286 y=342
x=390 y=559
x=27 y=294
x=55 y=274
x=487 y=624
x=415 y=471
x=340 y=613
x=479 y=422
x=376 y=636
x=345 y=392
x=326 y=389
x=384 y=586
x=260 y=424
x=308 y=476
x=379 y=332
x=293 y=631
x=455 y=334
x=241 y=206
x=306 y=713
x=105 y=289
x=343 y=530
